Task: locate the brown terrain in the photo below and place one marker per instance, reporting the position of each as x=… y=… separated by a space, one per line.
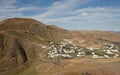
x=21 y=52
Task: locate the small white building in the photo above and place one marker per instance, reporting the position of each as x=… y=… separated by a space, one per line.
x=95 y=56
x=75 y=47
x=66 y=55
x=81 y=54
x=116 y=56
x=106 y=56
x=70 y=42
x=82 y=41
x=93 y=53
x=109 y=52
x=44 y=47
x=115 y=50
x=51 y=42
x=90 y=48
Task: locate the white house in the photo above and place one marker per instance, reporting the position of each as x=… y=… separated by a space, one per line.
x=95 y=56
x=106 y=56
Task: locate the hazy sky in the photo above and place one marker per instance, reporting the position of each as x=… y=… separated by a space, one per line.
x=69 y=14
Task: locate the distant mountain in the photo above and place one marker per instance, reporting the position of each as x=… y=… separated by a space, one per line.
x=117 y=32
x=22 y=39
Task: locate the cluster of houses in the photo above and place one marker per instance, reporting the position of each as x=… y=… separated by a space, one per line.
x=69 y=50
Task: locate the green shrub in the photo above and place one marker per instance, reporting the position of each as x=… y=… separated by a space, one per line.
x=88 y=52
x=100 y=53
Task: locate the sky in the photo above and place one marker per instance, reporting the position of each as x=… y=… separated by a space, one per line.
x=69 y=14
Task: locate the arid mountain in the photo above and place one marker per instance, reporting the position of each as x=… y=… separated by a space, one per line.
x=23 y=44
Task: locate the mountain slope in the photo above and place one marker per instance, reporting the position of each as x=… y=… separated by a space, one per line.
x=20 y=39
x=25 y=41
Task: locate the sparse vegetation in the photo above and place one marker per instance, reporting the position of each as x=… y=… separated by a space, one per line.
x=27 y=46
x=100 y=52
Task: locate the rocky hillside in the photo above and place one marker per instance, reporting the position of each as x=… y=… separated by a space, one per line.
x=25 y=41
x=20 y=40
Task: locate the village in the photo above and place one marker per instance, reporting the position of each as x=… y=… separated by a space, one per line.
x=68 y=50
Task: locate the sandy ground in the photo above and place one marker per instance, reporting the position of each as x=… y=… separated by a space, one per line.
x=81 y=67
